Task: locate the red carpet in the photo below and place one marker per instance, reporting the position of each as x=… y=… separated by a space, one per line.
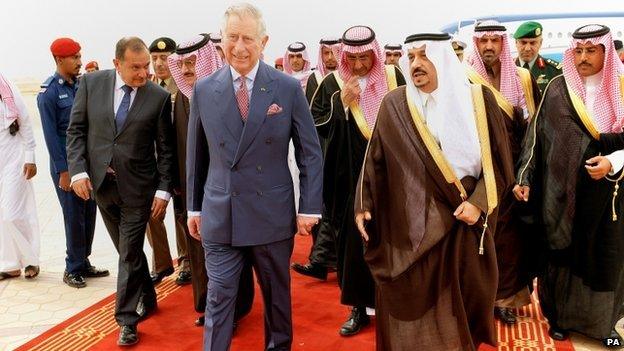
x=317 y=315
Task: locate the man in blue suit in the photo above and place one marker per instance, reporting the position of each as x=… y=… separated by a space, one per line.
x=240 y=190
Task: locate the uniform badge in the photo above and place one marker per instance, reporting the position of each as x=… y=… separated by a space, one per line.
x=63 y=96
x=540 y=63
x=43 y=90
x=60 y=81
x=161 y=45
x=538 y=31
x=542 y=79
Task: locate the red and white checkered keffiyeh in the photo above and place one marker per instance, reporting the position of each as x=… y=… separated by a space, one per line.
x=207 y=62
x=320 y=66
x=608 y=113
x=305 y=72
x=7 y=97
x=376 y=84
x=510 y=84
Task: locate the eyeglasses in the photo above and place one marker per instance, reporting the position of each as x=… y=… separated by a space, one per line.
x=190 y=63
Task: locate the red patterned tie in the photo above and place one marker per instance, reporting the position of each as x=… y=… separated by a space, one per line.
x=243 y=98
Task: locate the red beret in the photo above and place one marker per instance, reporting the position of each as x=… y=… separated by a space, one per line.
x=63 y=47
x=91 y=64
x=279 y=61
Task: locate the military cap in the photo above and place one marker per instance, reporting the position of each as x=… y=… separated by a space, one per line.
x=163 y=44
x=530 y=29
x=64 y=47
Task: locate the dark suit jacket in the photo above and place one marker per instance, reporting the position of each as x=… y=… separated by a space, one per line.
x=141 y=153
x=237 y=173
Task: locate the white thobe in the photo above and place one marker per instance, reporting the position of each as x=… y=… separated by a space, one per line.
x=19 y=228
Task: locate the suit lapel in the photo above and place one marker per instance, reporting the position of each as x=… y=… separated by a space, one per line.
x=261 y=98
x=135 y=107
x=108 y=89
x=224 y=99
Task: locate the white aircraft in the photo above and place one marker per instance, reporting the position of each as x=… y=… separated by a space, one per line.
x=557 y=28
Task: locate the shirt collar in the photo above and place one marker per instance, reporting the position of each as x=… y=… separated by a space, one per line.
x=120 y=83
x=251 y=75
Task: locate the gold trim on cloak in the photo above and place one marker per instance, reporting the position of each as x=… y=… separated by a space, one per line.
x=486 y=154
x=486 y=150
x=476 y=78
x=356 y=110
x=527 y=88
x=391 y=78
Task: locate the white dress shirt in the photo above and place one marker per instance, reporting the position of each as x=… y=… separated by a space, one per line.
x=591 y=88
x=117 y=98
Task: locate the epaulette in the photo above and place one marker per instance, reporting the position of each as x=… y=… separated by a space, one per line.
x=554 y=63
x=44 y=86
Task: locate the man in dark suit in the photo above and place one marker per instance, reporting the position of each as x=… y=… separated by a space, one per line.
x=240 y=192
x=120 y=148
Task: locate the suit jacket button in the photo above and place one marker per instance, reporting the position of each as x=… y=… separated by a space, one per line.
x=222 y=144
x=259 y=193
x=268 y=141
x=259 y=168
x=234 y=193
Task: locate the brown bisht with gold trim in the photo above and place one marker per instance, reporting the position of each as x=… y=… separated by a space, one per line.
x=515 y=232
x=437 y=294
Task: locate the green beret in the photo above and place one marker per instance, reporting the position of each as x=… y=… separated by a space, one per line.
x=163 y=44
x=530 y=29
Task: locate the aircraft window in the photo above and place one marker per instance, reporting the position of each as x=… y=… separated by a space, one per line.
x=550 y=35
x=569 y=35
x=559 y=35
x=619 y=33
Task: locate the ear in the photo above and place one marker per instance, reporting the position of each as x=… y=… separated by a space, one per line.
x=265 y=39
x=116 y=63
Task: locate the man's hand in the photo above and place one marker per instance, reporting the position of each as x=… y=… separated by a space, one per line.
x=521 y=192
x=467 y=213
x=30 y=169
x=350 y=91
x=598 y=167
x=64 y=181
x=305 y=225
x=194 y=224
x=159 y=208
x=82 y=188
x=360 y=220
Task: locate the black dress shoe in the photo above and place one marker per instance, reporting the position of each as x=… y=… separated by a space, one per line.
x=311 y=270
x=128 y=335
x=74 y=280
x=614 y=340
x=184 y=277
x=199 y=322
x=505 y=315
x=92 y=272
x=158 y=277
x=356 y=321
x=558 y=334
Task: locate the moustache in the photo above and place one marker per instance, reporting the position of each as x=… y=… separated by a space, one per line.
x=418 y=71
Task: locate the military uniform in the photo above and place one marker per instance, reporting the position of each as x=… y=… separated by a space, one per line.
x=55 y=101
x=541 y=68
